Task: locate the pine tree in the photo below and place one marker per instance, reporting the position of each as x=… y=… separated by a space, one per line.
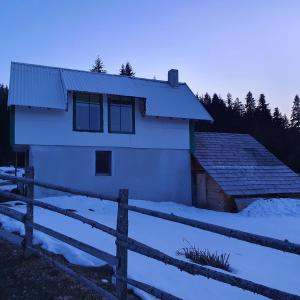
x=279 y=121
x=207 y=99
x=295 y=116
x=262 y=111
x=238 y=107
x=229 y=101
x=98 y=66
x=127 y=70
x=250 y=105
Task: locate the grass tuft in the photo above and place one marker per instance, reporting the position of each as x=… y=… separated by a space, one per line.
x=205 y=257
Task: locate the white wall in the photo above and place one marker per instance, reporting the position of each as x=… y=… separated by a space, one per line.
x=34 y=126
x=149 y=174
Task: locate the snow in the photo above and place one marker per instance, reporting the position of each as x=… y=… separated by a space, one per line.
x=278 y=218
x=10 y=170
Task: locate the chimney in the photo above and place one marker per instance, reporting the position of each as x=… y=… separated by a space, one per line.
x=173 y=78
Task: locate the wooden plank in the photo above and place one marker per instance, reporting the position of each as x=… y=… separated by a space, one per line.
x=208 y=273
x=61 y=211
x=285 y=245
x=150 y=289
x=29 y=173
x=59 y=188
x=7 y=182
x=107 y=257
x=122 y=253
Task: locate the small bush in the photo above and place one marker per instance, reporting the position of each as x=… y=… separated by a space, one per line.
x=205 y=257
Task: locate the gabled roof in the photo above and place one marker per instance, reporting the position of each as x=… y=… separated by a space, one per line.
x=242 y=166
x=42 y=86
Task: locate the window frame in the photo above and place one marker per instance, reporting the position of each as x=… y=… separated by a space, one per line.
x=122 y=100
x=110 y=163
x=101 y=112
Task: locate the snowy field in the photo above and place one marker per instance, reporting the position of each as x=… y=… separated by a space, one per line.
x=278 y=218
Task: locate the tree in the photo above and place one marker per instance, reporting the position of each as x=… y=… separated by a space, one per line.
x=250 y=105
x=127 y=70
x=98 y=66
x=295 y=116
x=229 y=101
x=238 y=107
x=279 y=121
x=206 y=99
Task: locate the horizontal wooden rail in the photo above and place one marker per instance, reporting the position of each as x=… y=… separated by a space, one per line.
x=4 y=183
x=285 y=246
x=149 y=289
x=59 y=188
x=81 y=279
x=110 y=259
x=61 y=211
x=194 y=269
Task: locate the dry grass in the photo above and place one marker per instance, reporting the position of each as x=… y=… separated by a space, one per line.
x=205 y=257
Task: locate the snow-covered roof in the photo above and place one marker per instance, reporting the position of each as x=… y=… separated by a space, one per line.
x=42 y=86
x=242 y=166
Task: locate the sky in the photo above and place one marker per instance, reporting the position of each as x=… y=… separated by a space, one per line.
x=218 y=46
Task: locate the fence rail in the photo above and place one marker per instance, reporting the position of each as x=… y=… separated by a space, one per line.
x=125 y=243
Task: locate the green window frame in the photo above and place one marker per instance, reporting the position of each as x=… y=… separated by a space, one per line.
x=121 y=106
x=91 y=106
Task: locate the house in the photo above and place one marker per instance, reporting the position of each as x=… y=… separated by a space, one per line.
x=232 y=169
x=103 y=132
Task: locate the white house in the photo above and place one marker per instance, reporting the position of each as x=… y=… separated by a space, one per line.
x=103 y=132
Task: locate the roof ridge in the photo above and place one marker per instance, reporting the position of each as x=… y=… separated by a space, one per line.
x=95 y=73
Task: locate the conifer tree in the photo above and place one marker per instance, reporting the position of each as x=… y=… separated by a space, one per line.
x=250 y=104
x=207 y=99
x=295 y=116
x=229 y=101
x=127 y=70
x=238 y=107
x=98 y=66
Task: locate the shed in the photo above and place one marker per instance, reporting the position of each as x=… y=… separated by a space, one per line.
x=229 y=166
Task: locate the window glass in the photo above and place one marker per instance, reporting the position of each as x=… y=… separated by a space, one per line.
x=121 y=114
x=88 y=112
x=126 y=118
x=82 y=116
x=103 y=162
x=95 y=116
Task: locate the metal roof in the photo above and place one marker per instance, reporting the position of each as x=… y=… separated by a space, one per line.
x=161 y=99
x=32 y=85
x=242 y=166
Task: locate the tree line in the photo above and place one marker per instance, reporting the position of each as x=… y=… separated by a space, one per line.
x=277 y=132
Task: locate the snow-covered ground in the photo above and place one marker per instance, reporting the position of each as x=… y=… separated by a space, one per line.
x=278 y=218
x=10 y=170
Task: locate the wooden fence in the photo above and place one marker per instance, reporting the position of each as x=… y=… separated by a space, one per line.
x=124 y=243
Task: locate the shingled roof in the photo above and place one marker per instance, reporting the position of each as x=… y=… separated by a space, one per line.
x=242 y=166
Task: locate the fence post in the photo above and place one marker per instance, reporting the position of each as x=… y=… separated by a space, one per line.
x=29 y=173
x=122 y=253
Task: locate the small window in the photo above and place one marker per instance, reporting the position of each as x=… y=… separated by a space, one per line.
x=121 y=114
x=88 y=112
x=103 y=163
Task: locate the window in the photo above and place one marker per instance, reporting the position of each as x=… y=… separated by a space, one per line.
x=87 y=112
x=103 y=163
x=121 y=114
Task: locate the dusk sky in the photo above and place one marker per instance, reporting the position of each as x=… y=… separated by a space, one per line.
x=217 y=46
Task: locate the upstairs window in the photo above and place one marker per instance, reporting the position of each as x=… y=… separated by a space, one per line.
x=103 y=163
x=121 y=114
x=88 y=112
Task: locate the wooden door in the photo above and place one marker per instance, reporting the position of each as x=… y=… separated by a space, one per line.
x=201 y=197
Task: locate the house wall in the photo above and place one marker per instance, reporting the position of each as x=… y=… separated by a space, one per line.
x=36 y=126
x=150 y=174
